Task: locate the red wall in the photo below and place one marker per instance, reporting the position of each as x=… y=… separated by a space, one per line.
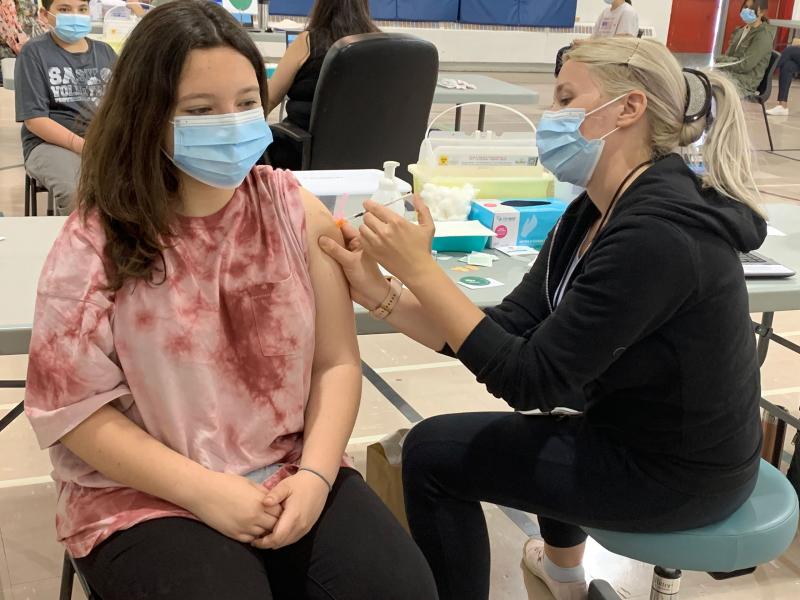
x=691 y=27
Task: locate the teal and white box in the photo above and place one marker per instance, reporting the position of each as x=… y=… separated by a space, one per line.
x=518 y=221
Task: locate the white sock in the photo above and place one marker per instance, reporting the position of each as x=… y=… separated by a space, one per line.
x=562 y=575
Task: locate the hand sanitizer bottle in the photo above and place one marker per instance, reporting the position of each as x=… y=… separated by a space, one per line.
x=388 y=189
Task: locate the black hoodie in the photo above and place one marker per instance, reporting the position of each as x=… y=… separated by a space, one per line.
x=652 y=340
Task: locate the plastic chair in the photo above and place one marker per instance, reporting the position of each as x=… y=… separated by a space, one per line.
x=758 y=532
x=32 y=190
x=765 y=91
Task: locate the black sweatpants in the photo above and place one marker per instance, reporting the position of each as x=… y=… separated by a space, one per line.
x=789 y=65
x=356 y=551
x=558 y=468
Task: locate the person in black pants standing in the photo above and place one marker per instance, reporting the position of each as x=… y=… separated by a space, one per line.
x=789 y=66
x=635 y=314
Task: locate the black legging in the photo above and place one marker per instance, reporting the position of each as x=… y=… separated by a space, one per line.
x=559 y=469
x=356 y=551
x=789 y=65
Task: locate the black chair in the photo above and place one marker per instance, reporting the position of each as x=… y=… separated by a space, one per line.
x=68 y=572
x=32 y=190
x=765 y=91
x=372 y=104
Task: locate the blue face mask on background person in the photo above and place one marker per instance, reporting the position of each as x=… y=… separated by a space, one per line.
x=609 y=1
x=72 y=27
x=562 y=148
x=220 y=150
x=748 y=15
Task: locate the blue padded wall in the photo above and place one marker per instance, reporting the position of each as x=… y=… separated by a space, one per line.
x=290 y=7
x=383 y=9
x=552 y=13
x=490 y=12
x=540 y=13
x=425 y=10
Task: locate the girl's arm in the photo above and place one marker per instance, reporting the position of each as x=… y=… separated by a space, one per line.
x=296 y=55
x=336 y=376
x=335 y=390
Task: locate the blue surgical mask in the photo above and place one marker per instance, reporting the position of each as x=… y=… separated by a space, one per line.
x=562 y=148
x=220 y=150
x=72 y=28
x=748 y=15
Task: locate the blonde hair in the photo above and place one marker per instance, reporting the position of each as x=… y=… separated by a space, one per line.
x=621 y=65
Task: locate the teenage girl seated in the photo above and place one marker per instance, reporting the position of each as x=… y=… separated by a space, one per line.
x=194 y=369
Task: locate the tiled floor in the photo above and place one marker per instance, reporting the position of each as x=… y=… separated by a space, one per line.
x=30 y=560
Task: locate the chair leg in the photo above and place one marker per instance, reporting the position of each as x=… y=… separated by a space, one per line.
x=82 y=581
x=34 y=198
x=732 y=574
x=666 y=584
x=602 y=590
x=27 y=195
x=766 y=122
x=67 y=578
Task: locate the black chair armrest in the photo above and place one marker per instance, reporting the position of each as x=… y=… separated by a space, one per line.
x=296 y=134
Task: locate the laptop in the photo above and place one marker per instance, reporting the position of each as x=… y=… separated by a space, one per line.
x=757 y=265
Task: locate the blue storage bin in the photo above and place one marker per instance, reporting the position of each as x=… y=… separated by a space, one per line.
x=469 y=243
x=460 y=236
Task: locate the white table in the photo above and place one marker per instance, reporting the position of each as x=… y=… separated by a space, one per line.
x=28 y=240
x=487 y=89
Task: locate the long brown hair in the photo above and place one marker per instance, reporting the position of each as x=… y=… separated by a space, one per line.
x=125 y=175
x=331 y=20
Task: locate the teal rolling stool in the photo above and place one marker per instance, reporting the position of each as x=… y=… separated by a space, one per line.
x=758 y=532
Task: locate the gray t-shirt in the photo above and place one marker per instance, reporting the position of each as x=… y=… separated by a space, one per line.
x=67 y=87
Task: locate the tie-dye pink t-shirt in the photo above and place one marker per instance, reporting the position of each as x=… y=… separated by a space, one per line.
x=215 y=362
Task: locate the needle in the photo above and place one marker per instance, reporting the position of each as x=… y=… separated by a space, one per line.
x=395 y=201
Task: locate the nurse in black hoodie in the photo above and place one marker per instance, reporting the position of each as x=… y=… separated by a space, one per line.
x=635 y=313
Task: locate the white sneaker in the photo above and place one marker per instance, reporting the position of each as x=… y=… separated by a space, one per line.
x=533 y=559
x=778 y=111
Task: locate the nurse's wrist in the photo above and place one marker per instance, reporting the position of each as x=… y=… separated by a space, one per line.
x=376 y=294
x=422 y=273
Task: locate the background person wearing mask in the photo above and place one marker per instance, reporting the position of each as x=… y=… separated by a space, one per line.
x=60 y=78
x=618 y=19
x=750 y=47
x=298 y=71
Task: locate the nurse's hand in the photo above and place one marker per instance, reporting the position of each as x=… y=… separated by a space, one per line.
x=367 y=286
x=403 y=248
